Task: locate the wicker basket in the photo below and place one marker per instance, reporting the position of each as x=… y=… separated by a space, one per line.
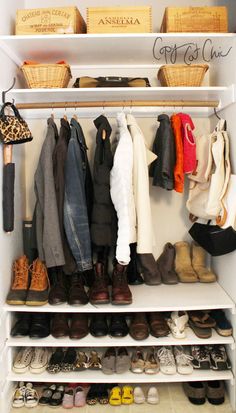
x=182 y=75
x=47 y=75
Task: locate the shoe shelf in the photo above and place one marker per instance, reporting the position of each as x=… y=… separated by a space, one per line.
x=118 y=49
x=161 y=298
x=94 y=376
x=108 y=341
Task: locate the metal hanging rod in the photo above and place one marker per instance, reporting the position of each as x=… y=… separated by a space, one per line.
x=120 y=103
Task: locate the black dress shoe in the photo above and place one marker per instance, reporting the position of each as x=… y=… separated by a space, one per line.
x=22 y=325
x=40 y=325
x=77 y=294
x=118 y=326
x=98 y=325
x=58 y=291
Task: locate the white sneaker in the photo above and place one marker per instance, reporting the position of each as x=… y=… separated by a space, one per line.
x=31 y=396
x=39 y=361
x=18 y=399
x=23 y=360
x=139 y=397
x=183 y=360
x=167 y=360
x=177 y=323
x=152 y=396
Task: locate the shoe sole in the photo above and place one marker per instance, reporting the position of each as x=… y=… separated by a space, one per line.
x=20 y=370
x=32 y=303
x=225 y=333
x=121 y=302
x=94 y=302
x=15 y=302
x=39 y=370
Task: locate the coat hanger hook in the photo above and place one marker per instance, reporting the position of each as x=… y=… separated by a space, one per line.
x=4 y=92
x=216 y=114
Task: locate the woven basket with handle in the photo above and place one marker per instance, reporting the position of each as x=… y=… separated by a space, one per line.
x=47 y=75
x=182 y=75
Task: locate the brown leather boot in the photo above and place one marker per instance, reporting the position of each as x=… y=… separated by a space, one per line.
x=39 y=286
x=99 y=293
x=121 y=293
x=20 y=283
x=59 y=325
x=77 y=294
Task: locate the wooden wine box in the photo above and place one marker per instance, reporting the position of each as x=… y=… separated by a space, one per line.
x=195 y=19
x=119 y=19
x=52 y=20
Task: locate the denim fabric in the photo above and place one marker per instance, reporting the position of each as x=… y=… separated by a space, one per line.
x=75 y=207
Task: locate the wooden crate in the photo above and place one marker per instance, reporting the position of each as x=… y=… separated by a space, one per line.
x=119 y=19
x=52 y=20
x=195 y=19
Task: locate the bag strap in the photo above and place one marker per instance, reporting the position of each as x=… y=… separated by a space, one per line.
x=221 y=126
x=12 y=106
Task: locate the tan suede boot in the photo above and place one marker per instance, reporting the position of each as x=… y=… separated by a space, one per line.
x=205 y=275
x=183 y=266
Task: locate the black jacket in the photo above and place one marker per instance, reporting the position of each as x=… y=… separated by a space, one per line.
x=162 y=169
x=104 y=224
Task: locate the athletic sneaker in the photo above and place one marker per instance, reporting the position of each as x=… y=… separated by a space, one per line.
x=183 y=360
x=167 y=360
x=219 y=357
x=23 y=360
x=18 y=399
x=201 y=357
x=31 y=396
x=39 y=360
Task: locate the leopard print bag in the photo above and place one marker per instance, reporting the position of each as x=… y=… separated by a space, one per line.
x=13 y=129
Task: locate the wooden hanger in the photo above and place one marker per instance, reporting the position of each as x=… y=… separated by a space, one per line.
x=103 y=134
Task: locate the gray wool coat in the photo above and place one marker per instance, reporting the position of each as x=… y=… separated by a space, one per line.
x=48 y=234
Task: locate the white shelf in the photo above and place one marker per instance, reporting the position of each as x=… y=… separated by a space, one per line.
x=197 y=296
x=128 y=341
x=92 y=376
x=118 y=49
x=123 y=93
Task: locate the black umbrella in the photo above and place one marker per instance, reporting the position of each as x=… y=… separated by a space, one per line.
x=8 y=189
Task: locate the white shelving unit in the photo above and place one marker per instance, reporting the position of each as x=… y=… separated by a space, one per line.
x=130 y=54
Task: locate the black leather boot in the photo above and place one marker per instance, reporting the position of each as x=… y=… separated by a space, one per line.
x=58 y=291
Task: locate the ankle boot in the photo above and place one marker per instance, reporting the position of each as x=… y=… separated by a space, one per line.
x=58 y=291
x=133 y=276
x=39 y=286
x=149 y=270
x=205 y=275
x=20 y=283
x=183 y=265
x=166 y=263
x=121 y=293
x=77 y=294
x=98 y=293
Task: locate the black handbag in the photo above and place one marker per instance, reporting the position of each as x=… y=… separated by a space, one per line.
x=214 y=239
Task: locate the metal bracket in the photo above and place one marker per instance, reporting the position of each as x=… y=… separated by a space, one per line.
x=4 y=92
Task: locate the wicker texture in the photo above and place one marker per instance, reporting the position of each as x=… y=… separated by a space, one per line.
x=47 y=75
x=182 y=75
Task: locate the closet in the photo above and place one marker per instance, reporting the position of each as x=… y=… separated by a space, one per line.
x=135 y=55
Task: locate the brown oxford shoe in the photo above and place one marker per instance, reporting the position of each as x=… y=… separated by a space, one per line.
x=139 y=328
x=121 y=293
x=99 y=293
x=79 y=325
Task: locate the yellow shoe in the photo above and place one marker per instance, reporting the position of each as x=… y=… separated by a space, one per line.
x=127 y=395
x=115 y=396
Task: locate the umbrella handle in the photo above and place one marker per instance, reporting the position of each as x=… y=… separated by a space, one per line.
x=7 y=154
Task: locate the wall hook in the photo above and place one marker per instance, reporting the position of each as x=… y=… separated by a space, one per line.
x=4 y=92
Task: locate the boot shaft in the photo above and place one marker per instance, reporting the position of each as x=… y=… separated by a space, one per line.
x=183 y=257
x=198 y=256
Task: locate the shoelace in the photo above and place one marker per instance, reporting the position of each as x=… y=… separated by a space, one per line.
x=37 y=281
x=184 y=359
x=166 y=356
x=25 y=356
x=19 y=272
x=201 y=353
x=30 y=394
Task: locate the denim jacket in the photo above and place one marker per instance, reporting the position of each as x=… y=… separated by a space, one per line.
x=76 y=220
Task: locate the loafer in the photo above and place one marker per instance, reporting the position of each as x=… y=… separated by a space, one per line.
x=55 y=362
x=139 y=328
x=123 y=361
x=59 y=326
x=68 y=363
x=40 y=325
x=77 y=294
x=118 y=326
x=158 y=325
x=22 y=325
x=79 y=326
x=215 y=392
x=57 y=396
x=98 y=325
x=109 y=361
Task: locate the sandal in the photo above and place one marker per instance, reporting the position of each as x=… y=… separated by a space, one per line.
x=94 y=362
x=202 y=319
x=55 y=362
x=137 y=361
x=47 y=394
x=82 y=361
x=151 y=362
x=127 y=395
x=200 y=332
x=68 y=363
x=115 y=396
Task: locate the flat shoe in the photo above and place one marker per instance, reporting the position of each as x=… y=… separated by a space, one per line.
x=109 y=361
x=127 y=395
x=139 y=396
x=115 y=396
x=152 y=396
x=123 y=361
x=202 y=319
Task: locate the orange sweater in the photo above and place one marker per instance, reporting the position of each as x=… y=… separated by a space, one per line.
x=179 y=151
